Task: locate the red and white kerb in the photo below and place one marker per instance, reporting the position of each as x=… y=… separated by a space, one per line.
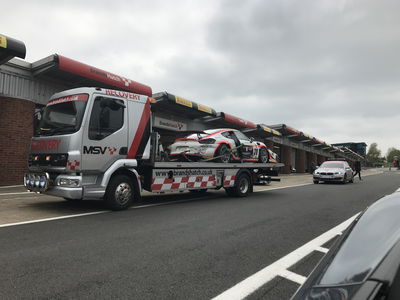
x=180 y=183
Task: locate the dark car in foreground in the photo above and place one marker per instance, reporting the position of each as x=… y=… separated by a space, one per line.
x=364 y=262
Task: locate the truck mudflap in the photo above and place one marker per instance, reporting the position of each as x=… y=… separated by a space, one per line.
x=168 y=180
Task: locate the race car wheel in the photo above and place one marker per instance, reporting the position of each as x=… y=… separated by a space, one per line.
x=223 y=154
x=120 y=193
x=263 y=156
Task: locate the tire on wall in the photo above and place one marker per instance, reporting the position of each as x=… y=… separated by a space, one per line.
x=120 y=192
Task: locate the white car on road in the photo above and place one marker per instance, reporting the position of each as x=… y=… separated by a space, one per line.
x=334 y=170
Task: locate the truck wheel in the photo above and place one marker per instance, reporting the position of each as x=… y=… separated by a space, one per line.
x=243 y=186
x=120 y=193
x=263 y=156
x=223 y=154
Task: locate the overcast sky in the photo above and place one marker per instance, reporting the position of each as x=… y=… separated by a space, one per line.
x=328 y=68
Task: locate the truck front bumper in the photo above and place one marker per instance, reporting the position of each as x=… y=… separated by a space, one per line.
x=65 y=192
x=66 y=186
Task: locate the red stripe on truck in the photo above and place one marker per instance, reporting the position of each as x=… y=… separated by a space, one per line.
x=144 y=121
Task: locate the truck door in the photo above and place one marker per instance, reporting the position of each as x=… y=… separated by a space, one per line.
x=106 y=135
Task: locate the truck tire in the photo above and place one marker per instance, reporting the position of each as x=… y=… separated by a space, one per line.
x=120 y=193
x=223 y=154
x=243 y=186
x=230 y=191
x=263 y=156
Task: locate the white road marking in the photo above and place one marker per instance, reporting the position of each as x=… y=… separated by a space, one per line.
x=19 y=198
x=322 y=249
x=54 y=218
x=94 y=213
x=282 y=187
x=292 y=276
x=9 y=186
x=20 y=193
x=255 y=281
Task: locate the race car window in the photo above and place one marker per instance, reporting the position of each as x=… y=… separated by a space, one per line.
x=241 y=136
x=226 y=134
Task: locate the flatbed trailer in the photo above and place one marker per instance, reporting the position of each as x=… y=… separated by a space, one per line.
x=169 y=176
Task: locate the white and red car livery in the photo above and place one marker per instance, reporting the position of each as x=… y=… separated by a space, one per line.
x=222 y=145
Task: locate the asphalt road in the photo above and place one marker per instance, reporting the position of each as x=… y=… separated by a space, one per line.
x=187 y=250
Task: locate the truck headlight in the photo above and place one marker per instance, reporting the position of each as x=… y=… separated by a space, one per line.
x=31 y=180
x=68 y=182
x=42 y=181
x=37 y=180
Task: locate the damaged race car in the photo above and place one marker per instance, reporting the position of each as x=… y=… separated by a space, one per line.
x=220 y=145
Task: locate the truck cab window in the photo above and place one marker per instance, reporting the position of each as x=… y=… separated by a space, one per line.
x=107 y=117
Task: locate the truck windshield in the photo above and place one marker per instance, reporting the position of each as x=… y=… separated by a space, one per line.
x=62 y=115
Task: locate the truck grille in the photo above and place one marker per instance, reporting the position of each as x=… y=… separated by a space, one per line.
x=47 y=159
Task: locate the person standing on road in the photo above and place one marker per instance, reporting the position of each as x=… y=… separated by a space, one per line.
x=357 y=168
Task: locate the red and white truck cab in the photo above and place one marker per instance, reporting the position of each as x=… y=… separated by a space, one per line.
x=95 y=143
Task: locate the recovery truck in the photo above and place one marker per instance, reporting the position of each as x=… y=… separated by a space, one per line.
x=98 y=143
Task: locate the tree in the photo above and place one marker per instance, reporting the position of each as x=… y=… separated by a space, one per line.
x=391 y=153
x=374 y=155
